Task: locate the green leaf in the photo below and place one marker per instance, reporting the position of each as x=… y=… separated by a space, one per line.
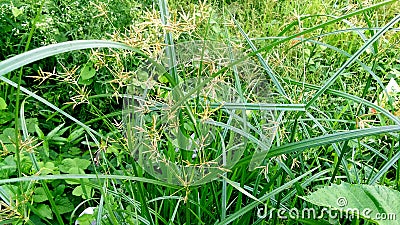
x=74 y=166
x=86 y=219
x=16 y=12
x=45 y=211
x=83 y=176
x=40 y=195
x=8 y=165
x=163 y=79
x=48 y=168
x=367 y=201
x=78 y=191
x=3 y=104
x=55 y=132
x=68 y=164
x=31 y=123
x=82 y=163
x=64 y=205
x=87 y=72
x=260 y=58
x=327 y=139
x=59 y=190
x=6 y=117
x=8 y=136
x=85 y=82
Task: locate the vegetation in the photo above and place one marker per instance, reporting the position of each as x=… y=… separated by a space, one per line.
x=269 y=105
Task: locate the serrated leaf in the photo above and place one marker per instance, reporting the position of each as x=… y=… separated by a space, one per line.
x=367 y=201
x=45 y=211
x=3 y=104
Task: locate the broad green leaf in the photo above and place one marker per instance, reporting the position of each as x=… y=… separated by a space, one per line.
x=31 y=123
x=16 y=11
x=3 y=104
x=367 y=201
x=86 y=219
x=78 y=191
x=8 y=166
x=87 y=72
x=6 y=117
x=82 y=163
x=45 y=211
x=48 y=168
x=76 y=170
x=59 y=190
x=40 y=195
x=68 y=164
x=64 y=205
x=8 y=136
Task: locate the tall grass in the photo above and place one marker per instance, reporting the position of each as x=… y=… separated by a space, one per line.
x=314 y=145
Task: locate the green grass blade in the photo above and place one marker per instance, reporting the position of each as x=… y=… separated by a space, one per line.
x=334 y=145
x=268 y=47
x=333 y=78
x=252 y=205
x=36 y=166
x=349 y=97
x=365 y=67
x=385 y=168
x=260 y=58
x=331 y=138
x=23 y=59
x=168 y=40
x=34 y=55
x=311 y=29
x=76 y=177
x=44 y=101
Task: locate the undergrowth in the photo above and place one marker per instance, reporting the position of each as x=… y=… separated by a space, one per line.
x=321 y=69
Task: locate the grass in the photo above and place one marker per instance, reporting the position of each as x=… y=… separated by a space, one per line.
x=294 y=100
